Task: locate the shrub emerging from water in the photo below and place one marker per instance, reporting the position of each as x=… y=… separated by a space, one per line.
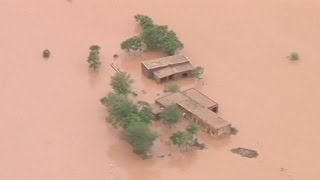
x=294 y=56
x=173 y=88
x=183 y=139
x=198 y=72
x=171 y=115
x=121 y=83
x=94 y=57
x=141 y=137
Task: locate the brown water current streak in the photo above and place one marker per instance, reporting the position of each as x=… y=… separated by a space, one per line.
x=53 y=127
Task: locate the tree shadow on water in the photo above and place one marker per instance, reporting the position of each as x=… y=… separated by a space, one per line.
x=94 y=77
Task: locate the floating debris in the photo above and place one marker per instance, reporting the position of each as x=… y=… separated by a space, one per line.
x=234 y=131
x=46 y=53
x=245 y=152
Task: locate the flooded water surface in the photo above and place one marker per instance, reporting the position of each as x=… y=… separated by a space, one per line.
x=53 y=126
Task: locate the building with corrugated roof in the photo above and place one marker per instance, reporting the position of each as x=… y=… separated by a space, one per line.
x=167 y=68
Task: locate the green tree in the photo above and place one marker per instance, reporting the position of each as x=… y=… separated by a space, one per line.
x=146 y=115
x=132 y=44
x=183 y=139
x=171 y=115
x=153 y=36
x=121 y=83
x=121 y=109
x=171 y=43
x=144 y=21
x=193 y=129
x=94 y=57
x=141 y=137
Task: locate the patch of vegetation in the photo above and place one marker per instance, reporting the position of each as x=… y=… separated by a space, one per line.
x=183 y=139
x=46 y=53
x=198 y=72
x=154 y=37
x=121 y=109
x=94 y=57
x=141 y=137
x=124 y=112
x=121 y=83
x=132 y=44
x=173 y=88
x=171 y=115
x=294 y=56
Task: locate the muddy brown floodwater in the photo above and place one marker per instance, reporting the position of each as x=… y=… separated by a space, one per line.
x=52 y=124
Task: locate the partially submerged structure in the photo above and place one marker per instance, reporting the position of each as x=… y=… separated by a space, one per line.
x=198 y=108
x=167 y=68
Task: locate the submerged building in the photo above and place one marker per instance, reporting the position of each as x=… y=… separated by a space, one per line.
x=198 y=108
x=167 y=68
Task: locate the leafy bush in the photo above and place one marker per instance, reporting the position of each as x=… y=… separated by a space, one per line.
x=132 y=44
x=141 y=137
x=171 y=115
x=94 y=57
x=183 y=139
x=121 y=83
x=294 y=56
x=173 y=88
x=198 y=72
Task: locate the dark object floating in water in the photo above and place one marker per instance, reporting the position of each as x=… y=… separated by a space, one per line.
x=245 y=152
x=46 y=53
x=234 y=131
x=201 y=146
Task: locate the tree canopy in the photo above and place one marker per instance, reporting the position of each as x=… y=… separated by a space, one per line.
x=121 y=83
x=144 y=21
x=153 y=36
x=141 y=137
x=171 y=115
x=183 y=139
x=94 y=57
x=120 y=109
x=124 y=112
x=132 y=44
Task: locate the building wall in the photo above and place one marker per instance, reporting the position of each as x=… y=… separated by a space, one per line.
x=224 y=130
x=146 y=72
x=214 y=109
x=176 y=76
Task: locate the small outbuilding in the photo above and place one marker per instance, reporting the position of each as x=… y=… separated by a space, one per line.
x=167 y=68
